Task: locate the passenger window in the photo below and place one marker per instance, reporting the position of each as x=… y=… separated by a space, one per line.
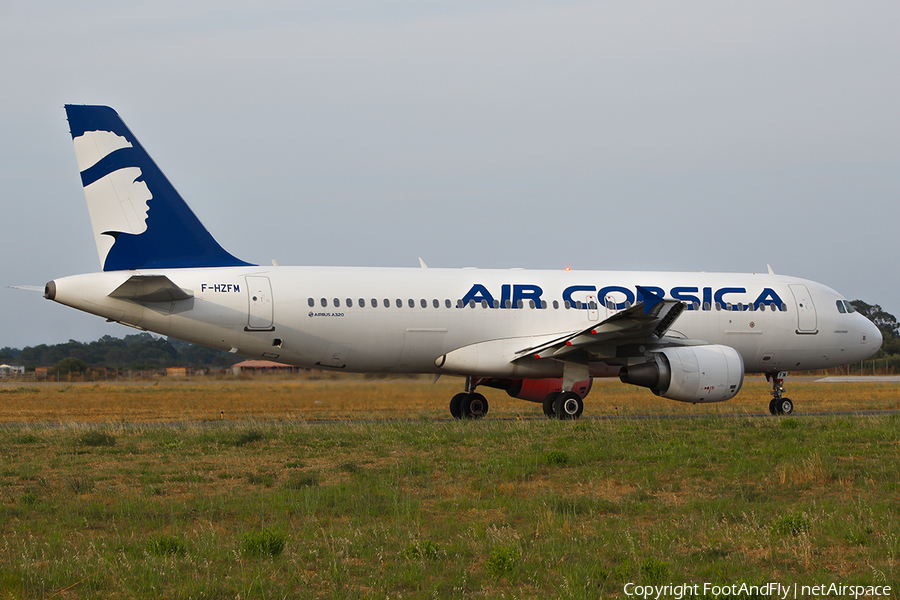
x=324 y=303
x=362 y=302
x=447 y=303
x=399 y=303
x=568 y=305
x=411 y=302
x=556 y=304
x=349 y=303
x=337 y=303
x=471 y=304
x=374 y=303
x=435 y=303
x=531 y=303
x=312 y=302
x=387 y=303
x=423 y=303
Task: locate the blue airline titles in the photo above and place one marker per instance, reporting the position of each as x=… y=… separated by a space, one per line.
x=515 y=295
x=689 y=337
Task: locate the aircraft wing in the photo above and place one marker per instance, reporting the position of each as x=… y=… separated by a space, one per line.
x=646 y=322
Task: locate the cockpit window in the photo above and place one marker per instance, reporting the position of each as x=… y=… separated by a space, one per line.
x=845 y=307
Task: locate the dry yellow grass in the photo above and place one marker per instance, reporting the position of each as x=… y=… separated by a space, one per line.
x=354 y=397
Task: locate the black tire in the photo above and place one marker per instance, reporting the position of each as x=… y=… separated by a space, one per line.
x=569 y=406
x=785 y=406
x=456 y=405
x=474 y=406
x=550 y=404
x=773 y=408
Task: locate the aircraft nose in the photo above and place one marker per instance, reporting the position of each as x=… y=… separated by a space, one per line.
x=874 y=335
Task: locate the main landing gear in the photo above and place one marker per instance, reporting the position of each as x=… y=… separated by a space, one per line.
x=557 y=405
x=779 y=405
x=468 y=405
x=563 y=405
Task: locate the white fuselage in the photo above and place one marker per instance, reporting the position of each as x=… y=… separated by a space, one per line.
x=403 y=320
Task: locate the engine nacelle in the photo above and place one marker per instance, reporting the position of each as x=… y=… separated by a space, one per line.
x=535 y=390
x=690 y=373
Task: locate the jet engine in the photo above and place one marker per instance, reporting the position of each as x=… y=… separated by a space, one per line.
x=690 y=373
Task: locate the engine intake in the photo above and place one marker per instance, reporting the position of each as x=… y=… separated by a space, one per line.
x=711 y=373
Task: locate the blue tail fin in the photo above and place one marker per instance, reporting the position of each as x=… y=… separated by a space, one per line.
x=139 y=220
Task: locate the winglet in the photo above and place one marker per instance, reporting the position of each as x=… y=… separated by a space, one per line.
x=650 y=298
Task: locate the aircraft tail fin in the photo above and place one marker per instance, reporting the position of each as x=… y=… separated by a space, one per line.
x=139 y=219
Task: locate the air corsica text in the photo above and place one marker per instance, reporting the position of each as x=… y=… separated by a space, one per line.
x=618 y=297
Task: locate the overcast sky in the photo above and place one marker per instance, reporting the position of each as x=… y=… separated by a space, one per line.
x=690 y=136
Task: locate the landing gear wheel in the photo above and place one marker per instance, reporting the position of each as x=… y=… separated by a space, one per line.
x=779 y=405
x=550 y=404
x=569 y=406
x=456 y=405
x=785 y=406
x=474 y=406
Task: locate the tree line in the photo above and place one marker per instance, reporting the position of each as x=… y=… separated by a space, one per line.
x=140 y=351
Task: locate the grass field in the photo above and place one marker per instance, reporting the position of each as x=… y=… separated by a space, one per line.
x=99 y=501
x=354 y=397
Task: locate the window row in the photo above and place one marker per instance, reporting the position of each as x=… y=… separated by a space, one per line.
x=435 y=303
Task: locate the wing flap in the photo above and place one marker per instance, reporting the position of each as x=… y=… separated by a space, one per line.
x=645 y=321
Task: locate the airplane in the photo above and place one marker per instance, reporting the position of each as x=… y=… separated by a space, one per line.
x=540 y=335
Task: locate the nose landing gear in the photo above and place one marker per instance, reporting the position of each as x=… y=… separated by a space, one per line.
x=779 y=405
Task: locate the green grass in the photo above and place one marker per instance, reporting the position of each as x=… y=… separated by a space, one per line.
x=423 y=509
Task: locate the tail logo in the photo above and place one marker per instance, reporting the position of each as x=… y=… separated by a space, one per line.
x=118 y=196
x=139 y=220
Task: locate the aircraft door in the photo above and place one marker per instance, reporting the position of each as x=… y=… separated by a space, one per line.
x=260 y=314
x=806 y=310
x=593 y=308
x=609 y=304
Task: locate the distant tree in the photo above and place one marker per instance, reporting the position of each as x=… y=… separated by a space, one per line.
x=69 y=365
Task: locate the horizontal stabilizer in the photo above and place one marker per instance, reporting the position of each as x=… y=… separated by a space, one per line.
x=150 y=288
